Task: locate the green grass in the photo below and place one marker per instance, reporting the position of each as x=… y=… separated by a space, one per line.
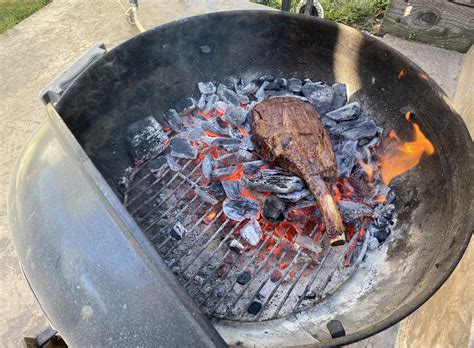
x=361 y=14
x=13 y=12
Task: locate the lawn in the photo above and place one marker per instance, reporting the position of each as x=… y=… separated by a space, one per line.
x=361 y=14
x=13 y=12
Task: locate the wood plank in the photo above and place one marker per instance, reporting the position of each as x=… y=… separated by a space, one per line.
x=437 y=22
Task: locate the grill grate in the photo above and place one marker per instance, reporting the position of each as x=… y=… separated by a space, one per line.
x=208 y=268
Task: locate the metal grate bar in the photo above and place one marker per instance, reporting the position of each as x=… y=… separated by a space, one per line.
x=169 y=209
x=258 y=269
x=163 y=201
x=213 y=253
x=221 y=227
x=201 y=234
x=176 y=217
x=161 y=190
x=277 y=285
x=251 y=260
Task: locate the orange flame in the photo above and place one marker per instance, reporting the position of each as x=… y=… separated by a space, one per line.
x=402 y=74
x=400 y=157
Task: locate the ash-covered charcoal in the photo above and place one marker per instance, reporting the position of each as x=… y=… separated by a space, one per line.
x=193 y=134
x=381 y=233
x=280 y=94
x=278 y=84
x=253 y=166
x=306 y=202
x=229 y=144
x=178 y=231
x=345 y=113
x=238 y=85
x=216 y=190
x=346 y=158
x=241 y=208
x=206 y=166
x=157 y=166
x=320 y=95
x=220 y=106
x=307 y=243
x=355 y=130
x=226 y=160
x=201 y=104
x=260 y=94
x=275 y=181
x=327 y=122
x=373 y=243
x=211 y=101
x=247 y=143
x=352 y=211
x=206 y=87
x=219 y=173
x=245 y=156
x=235 y=115
x=251 y=232
x=145 y=139
x=340 y=96
x=382 y=190
x=250 y=88
x=244 y=277
x=232 y=188
x=244 y=100
x=275 y=209
x=182 y=148
x=172 y=119
x=172 y=164
x=185 y=106
x=294 y=85
x=122 y=184
x=206 y=197
x=227 y=95
x=214 y=127
x=236 y=246
x=294 y=196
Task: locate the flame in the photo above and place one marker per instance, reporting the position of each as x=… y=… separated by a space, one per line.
x=401 y=157
x=369 y=170
x=423 y=77
x=402 y=74
x=237 y=175
x=210 y=217
x=408 y=115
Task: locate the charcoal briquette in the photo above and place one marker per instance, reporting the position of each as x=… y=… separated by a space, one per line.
x=241 y=208
x=182 y=148
x=206 y=87
x=250 y=88
x=345 y=113
x=340 y=96
x=251 y=232
x=232 y=188
x=244 y=277
x=294 y=85
x=320 y=95
x=275 y=181
x=275 y=209
x=145 y=139
x=206 y=166
x=254 y=308
x=355 y=130
x=235 y=115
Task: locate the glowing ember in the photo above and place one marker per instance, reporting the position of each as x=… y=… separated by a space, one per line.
x=208 y=219
x=213 y=135
x=402 y=74
x=399 y=157
x=243 y=131
x=237 y=175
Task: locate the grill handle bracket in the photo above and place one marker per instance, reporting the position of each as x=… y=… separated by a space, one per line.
x=56 y=88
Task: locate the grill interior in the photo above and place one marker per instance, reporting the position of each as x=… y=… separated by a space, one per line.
x=209 y=270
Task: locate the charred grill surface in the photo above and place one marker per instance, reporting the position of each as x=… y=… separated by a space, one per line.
x=289 y=132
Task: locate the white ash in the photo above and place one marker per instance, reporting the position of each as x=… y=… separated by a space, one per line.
x=251 y=232
x=241 y=209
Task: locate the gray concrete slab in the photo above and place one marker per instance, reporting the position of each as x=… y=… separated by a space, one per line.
x=31 y=55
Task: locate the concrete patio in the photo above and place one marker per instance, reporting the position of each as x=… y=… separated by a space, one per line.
x=45 y=44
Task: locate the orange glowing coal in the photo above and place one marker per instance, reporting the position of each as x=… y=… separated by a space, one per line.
x=399 y=157
x=237 y=175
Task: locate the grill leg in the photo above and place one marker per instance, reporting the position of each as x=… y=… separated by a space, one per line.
x=49 y=338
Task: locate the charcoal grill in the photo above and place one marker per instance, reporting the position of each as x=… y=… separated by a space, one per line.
x=121 y=280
